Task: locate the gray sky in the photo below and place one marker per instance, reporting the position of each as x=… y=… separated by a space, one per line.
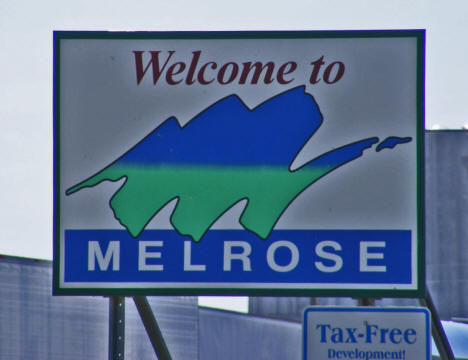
x=26 y=75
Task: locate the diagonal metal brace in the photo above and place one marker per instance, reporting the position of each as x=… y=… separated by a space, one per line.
x=438 y=332
x=152 y=328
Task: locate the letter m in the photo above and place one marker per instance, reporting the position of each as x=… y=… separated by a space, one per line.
x=258 y=69
x=95 y=253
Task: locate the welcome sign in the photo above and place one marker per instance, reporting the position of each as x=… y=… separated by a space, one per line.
x=238 y=162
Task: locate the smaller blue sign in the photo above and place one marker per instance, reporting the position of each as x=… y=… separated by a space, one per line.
x=237 y=259
x=366 y=333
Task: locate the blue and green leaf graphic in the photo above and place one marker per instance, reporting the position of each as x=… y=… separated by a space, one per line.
x=225 y=154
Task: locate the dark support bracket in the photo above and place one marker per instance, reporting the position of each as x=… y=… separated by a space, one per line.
x=116 y=328
x=314 y=301
x=365 y=301
x=438 y=332
x=152 y=328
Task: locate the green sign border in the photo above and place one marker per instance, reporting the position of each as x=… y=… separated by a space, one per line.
x=419 y=35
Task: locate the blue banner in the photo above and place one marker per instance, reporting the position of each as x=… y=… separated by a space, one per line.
x=239 y=257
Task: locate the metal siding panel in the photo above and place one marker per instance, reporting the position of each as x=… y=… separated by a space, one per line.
x=35 y=325
x=230 y=336
x=446 y=214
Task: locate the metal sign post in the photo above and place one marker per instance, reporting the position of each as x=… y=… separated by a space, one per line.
x=116 y=328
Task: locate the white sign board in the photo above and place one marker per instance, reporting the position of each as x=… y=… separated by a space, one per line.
x=366 y=333
x=246 y=162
